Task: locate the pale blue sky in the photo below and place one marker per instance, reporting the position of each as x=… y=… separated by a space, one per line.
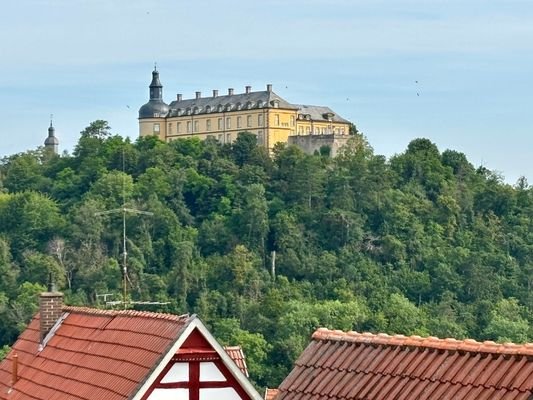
x=91 y=59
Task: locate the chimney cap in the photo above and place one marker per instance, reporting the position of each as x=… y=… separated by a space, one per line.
x=269 y=87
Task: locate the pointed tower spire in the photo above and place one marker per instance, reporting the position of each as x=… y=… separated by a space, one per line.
x=51 y=143
x=156 y=107
x=156 y=88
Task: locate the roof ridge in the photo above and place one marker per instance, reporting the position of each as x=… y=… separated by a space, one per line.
x=449 y=344
x=130 y=313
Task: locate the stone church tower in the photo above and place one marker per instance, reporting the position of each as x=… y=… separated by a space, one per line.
x=51 y=143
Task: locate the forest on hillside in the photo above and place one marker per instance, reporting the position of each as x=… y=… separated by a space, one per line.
x=422 y=243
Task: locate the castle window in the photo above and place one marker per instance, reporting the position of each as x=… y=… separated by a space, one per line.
x=260 y=104
x=156 y=128
x=249 y=105
x=208 y=125
x=260 y=138
x=308 y=130
x=189 y=126
x=220 y=138
x=239 y=122
x=317 y=131
x=323 y=131
x=249 y=121
x=292 y=120
x=220 y=124
x=228 y=123
x=178 y=127
x=208 y=109
x=300 y=130
x=170 y=128
x=342 y=131
x=276 y=119
x=220 y=108
x=239 y=106
x=260 y=120
x=196 y=126
x=228 y=138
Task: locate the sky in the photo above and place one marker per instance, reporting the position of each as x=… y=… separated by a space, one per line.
x=456 y=72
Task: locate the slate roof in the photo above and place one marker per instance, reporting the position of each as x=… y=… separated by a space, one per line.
x=365 y=366
x=225 y=103
x=237 y=355
x=94 y=354
x=317 y=113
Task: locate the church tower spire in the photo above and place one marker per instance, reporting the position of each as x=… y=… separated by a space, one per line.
x=51 y=143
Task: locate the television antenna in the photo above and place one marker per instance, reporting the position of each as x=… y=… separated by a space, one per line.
x=124 y=211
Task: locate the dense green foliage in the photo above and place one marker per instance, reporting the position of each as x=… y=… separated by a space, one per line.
x=422 y=243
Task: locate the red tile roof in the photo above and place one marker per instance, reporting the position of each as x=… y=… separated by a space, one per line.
x=270 y=394
x=94 y=354
x=237 y=355
x=365 y=366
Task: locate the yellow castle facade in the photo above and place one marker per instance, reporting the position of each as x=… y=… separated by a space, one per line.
x=263 y=113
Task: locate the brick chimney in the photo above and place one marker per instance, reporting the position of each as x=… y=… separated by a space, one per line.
x=50 y=309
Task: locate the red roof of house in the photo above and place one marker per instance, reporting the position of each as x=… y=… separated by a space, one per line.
x=270 y=394
x=95 y=354
x=237 y=355
x=365 y=366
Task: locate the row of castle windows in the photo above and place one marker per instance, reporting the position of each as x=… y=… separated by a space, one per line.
x=194 y=126
x=321 y=131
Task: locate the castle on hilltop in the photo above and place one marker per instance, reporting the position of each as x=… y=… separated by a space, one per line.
x=265 y=114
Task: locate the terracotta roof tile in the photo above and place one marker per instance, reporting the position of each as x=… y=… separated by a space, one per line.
x=237 y=355
x=95 y=354
x=366 y=366
x=270 y=394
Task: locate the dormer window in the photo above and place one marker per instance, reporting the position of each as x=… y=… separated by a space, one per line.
x=260 y=104
x=195 y=110
x=229 y=106
x=275 y=103
x=239 y=106
x=249 y=105
x=220 y=108
x=188 y=111
x=208 y=109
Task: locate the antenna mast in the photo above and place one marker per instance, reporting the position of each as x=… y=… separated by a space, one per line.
x=124 y=210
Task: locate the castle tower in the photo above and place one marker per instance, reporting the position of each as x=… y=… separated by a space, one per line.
x=152 y=115
x=51 y=143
